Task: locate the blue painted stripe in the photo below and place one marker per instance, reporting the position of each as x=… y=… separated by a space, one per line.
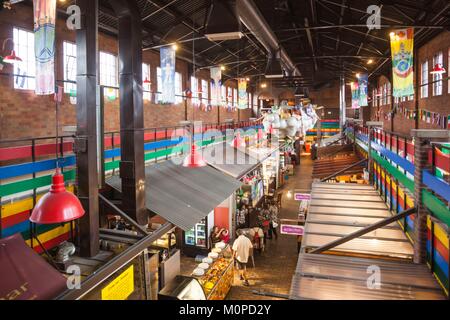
x=402 y=162
x=17 y=170
x=437 y=185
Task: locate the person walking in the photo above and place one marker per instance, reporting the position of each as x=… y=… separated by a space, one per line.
x=241 y=248
x=273 y=220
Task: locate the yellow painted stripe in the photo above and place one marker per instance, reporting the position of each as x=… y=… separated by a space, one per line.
x=439 y=233
x=49 y=235
x=10 y=209
x=409 y=201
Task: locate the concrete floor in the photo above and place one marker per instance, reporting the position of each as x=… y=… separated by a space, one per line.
x=274 y=267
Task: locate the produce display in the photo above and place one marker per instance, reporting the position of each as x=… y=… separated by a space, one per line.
x=217 y=280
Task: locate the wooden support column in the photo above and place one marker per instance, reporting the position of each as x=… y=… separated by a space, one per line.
x=86 y=135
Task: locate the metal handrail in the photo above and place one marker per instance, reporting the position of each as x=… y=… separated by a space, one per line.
x=343 y=170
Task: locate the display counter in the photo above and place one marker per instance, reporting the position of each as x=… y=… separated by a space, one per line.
x=218 y=278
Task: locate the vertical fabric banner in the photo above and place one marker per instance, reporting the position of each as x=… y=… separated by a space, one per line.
x=44 y=45
x=363 y=85
x=355 y=95
x=242 y=94
x=402 y=44
x=167 y=55
x=216 y=77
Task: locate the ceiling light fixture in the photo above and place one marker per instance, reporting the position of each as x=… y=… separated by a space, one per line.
x=438 y=69
x=370 y=61
x=274 y=69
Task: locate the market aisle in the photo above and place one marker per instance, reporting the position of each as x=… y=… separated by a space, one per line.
x=275 y=267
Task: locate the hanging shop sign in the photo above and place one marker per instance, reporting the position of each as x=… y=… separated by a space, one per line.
x=355 y=95
x=216 y=84
x=242 y=94
x=167 y=55
x=44 y=45
x=292 y=229
x=121 y=287
x=363 y=81
x=402 y=44
x=302 y=196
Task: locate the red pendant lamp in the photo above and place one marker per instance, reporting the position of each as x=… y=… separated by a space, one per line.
x=238 y=142
x=438 y=69
x=12 y=58
x=146 y=81
x=194 y=159
x=58 y=205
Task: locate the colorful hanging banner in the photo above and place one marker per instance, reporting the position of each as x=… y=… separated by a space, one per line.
x=355 y=95
x=167 y=56
x=363 y=81
x=216 y=83
x=242 y=94
x=44 y=45
x=402 y=44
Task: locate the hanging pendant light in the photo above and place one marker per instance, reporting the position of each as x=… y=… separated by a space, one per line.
x=238 y=142
x=438 y=69
x=194 y=159
x=146 y=81
x=12 y=58
x=58 y=205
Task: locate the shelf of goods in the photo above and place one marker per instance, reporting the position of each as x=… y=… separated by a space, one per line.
x=218 y=279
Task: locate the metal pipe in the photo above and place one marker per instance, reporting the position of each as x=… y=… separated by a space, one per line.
x=253 y=19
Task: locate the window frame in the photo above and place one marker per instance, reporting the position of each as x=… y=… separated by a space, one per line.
x=146 y=73
x=437 y=77
x=27 y=54
x=424 y=80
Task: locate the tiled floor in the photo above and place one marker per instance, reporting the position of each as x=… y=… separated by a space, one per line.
x=274 y=267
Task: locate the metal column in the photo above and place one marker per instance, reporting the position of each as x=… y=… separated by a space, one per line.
x=131 y=109
x=342 y=105
x=86 y=135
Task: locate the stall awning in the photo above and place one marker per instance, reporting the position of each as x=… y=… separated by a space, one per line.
x=24 y=274
x=183 y=196
x=229 y=160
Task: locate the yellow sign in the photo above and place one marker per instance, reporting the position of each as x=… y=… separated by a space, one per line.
x=121 y=287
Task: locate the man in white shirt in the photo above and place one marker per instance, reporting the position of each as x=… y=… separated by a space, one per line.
x=241 y=249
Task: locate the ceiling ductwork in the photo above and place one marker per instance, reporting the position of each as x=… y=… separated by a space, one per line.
x=223 y=23
x=252 y=18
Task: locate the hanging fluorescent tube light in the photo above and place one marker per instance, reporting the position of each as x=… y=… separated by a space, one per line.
x=223 y=22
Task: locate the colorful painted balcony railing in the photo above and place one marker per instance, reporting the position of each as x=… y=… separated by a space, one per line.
x=394 y=177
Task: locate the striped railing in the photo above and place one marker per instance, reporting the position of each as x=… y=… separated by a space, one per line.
x=27 y=165
x=393 y=157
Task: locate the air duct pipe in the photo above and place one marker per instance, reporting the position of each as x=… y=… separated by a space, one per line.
x=252 y=18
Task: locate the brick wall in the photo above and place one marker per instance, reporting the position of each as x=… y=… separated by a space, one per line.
x=439 y=104
x=24 y=114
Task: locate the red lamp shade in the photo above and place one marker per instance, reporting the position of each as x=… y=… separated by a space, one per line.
x=12 y=58
x=438 y=69
x=238 y=142
x=146 y=81
x=194 y=159
x=58 y=205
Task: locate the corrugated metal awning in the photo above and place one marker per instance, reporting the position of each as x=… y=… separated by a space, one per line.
x=183 y=196
x=229 y=160
x=330 y=277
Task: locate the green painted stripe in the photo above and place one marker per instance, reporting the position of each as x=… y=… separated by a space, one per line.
x=401 y=177
x=436 y=206
x=30 y=184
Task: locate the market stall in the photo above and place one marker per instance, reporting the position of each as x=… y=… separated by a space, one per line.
x=211 y=280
